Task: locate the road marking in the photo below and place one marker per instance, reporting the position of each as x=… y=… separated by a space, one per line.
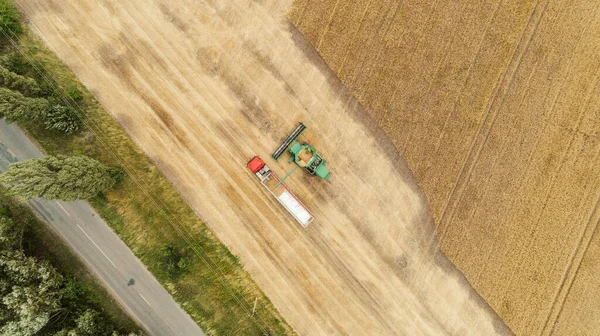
x=145 y=299
x=96 y=245
x=62 y=208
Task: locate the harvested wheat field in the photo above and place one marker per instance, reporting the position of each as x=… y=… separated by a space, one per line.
x=204 y=86
x=495 y=107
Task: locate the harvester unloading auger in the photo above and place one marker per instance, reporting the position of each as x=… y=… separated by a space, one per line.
x=304 y=155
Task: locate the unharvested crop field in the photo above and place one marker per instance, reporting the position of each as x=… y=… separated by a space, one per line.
x=204 y=86
x=495 y=107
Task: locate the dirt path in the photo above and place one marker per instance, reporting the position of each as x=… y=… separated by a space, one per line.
x=202 y=87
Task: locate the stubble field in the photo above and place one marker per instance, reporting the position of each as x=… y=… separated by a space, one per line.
x=494 y=105
x=202 y=87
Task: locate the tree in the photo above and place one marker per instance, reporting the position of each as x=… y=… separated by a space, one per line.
x=24 y=327
x=87 y=324
x=116 y=333
x=11 y=234
x=26 y=85
x=58 y=177
x=10 y=19
x=30 y=291
x=16 y=107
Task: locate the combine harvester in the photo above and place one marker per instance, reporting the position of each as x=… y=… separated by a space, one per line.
x=305 y=156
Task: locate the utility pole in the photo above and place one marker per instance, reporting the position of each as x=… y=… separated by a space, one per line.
x=254 y=309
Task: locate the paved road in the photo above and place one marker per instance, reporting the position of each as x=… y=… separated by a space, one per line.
x=103 y=251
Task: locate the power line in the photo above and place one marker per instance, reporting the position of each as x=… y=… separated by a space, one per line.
x=182 y=231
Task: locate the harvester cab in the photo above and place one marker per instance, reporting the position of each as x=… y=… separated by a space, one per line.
x=303 y=154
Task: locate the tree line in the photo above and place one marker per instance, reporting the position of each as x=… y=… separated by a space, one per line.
x=35 y=298
x=29 y=98
x=23 y=100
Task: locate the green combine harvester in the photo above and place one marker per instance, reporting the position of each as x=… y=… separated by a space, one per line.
x=303 y=154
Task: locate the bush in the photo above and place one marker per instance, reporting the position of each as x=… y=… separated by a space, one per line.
x=184 y=263
x=73 y=93
x=117 y=173
x=63 y=119
x=10 y=19
x=174 y=262
x=14 y=62
x=170 y=259
x=4 y=211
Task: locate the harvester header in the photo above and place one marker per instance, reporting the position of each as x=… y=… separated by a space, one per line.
x=288 y=141
x=303 y=154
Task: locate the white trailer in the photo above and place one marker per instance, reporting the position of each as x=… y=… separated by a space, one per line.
x=281 y=193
